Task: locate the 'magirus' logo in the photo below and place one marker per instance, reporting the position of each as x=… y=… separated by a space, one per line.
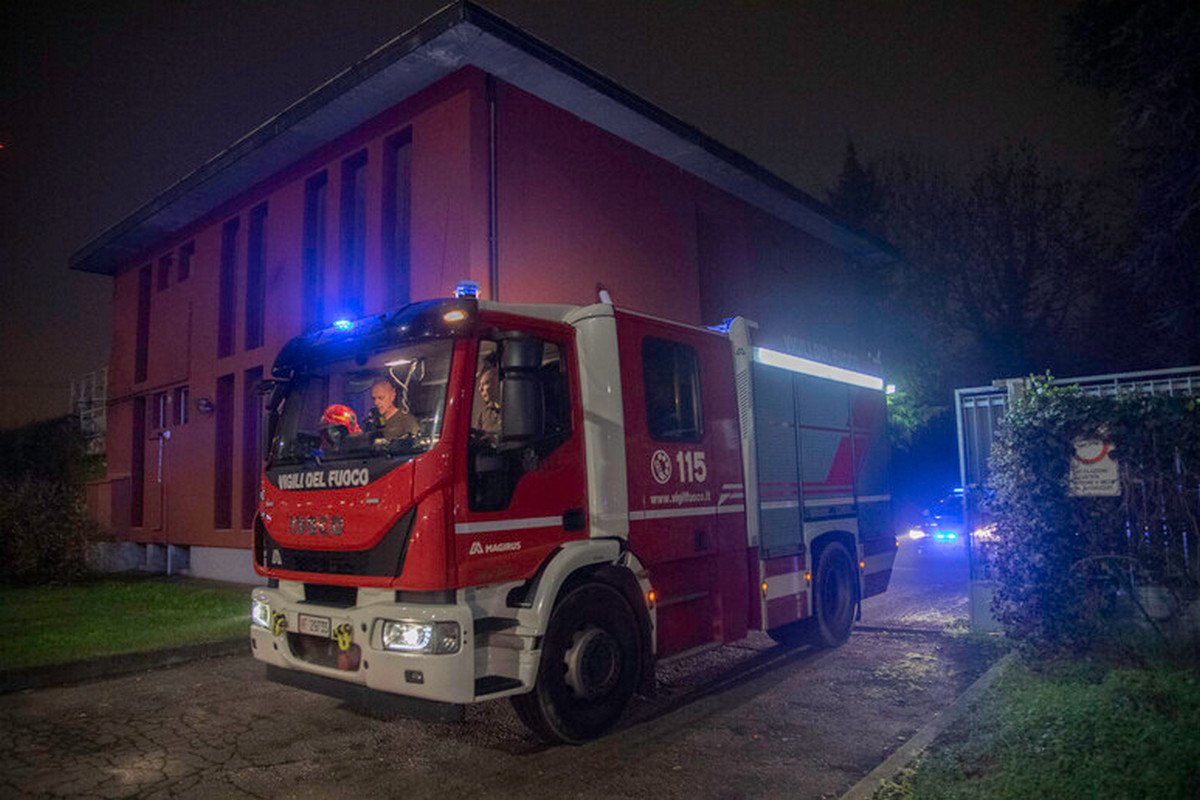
x=315 y=526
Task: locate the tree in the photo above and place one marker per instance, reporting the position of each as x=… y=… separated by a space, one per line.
x=1146 y=55
x=1004 y=265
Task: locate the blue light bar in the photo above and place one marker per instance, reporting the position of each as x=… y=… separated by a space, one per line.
x=724 y=327
x=466 y=289
x=805 y=366
x=343 y=324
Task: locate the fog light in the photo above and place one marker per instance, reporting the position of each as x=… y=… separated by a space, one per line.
x=260 y=612
x=420 y=637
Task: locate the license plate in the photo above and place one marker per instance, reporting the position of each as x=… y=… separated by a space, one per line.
x=315 y=626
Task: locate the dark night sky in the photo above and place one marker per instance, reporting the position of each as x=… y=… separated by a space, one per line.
x=104 y=105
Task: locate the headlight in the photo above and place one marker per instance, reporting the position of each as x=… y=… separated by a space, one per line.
x=916 y=533
x=420 y=637
x=985 y=534
x=260 y=612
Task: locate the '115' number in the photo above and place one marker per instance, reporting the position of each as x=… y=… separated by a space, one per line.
x=692 y=468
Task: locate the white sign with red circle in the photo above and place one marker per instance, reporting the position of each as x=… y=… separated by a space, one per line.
x=1093 y=471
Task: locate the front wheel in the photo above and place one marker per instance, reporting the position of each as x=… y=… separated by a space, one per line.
x=589 y=667
x=834 y=596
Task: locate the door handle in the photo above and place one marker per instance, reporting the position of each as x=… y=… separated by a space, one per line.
x=573 y=519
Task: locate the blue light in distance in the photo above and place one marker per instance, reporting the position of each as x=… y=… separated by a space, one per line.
x=344 y=324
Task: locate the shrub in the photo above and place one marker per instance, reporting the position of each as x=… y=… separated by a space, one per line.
x=45 y=532
x=1068 y=566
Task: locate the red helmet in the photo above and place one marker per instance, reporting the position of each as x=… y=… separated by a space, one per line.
x=341 y=415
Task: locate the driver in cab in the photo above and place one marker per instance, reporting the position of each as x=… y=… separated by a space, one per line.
x=390 y=421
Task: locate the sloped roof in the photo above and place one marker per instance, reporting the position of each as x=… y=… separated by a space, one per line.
x=462 y=34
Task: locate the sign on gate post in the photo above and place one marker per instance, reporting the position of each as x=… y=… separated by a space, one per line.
x=1093 y=471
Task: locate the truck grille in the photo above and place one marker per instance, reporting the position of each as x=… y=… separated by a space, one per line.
x=324 y=652
x=336 y=596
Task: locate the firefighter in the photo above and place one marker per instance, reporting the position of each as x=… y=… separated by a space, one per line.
x=485 y=412
x=389 y=419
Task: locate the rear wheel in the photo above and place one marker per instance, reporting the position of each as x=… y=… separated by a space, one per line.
x=793 y=634
x=589 y=667
x=834 y=596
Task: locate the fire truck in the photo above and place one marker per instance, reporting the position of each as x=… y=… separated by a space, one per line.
x=575 y=494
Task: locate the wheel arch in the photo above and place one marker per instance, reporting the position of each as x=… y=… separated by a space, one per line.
x=606 y=561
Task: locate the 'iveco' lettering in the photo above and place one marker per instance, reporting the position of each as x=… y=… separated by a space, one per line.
x=325 y=479
x=315 y=526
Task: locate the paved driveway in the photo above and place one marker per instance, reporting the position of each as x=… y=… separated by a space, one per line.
x=747 y=720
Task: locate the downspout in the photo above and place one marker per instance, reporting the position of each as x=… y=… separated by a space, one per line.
x=493 y=237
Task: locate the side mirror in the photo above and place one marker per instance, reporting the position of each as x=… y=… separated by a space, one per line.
x=522 y=404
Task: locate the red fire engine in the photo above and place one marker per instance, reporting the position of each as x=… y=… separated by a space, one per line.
x=540 y=502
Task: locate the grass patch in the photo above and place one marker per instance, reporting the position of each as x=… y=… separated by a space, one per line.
x=56 y=624
x=1087 y=729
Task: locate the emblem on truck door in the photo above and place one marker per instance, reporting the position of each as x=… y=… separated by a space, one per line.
x=660 y=466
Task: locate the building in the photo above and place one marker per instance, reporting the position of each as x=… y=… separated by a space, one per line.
x=463 y=149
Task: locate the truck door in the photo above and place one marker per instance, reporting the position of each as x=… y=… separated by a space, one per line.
x=686 y=506
x=521 y=487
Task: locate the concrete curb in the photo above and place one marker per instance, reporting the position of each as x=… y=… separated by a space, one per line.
x=909 y=751
x=121 y=664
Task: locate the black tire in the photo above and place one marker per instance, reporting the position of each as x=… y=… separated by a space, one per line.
x=793 y=634
x=589 y=667
x=835 y=595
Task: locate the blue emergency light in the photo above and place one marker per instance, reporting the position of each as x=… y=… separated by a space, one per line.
x=344 y=324
x=467 y=289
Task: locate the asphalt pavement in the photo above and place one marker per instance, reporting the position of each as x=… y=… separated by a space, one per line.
x=747 y=720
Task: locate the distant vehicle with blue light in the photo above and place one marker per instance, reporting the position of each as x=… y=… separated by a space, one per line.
x=943 y=521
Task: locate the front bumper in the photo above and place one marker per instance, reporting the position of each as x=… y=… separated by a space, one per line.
x=486 y=665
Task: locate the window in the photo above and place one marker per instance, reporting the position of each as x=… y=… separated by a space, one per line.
x=223 y=455
x=185 y=260
x=252 y=411
x=164 y=272
x=671 y=373
x=228 y=288
x=506 y=443
x=313 y=256
x=137 y=464
x=397 y=195
x=354 y=232
x=160 y=411
x=180 y=400
x=255 y=278
x=142 y=346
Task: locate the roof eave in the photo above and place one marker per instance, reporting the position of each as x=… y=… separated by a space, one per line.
x=459 y=35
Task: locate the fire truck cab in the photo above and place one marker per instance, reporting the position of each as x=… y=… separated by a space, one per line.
x=465 y=501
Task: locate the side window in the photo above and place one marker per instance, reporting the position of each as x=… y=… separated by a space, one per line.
x=520 y=412
x=671 y=374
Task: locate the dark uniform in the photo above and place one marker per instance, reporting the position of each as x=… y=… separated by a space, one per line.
x=397 y=425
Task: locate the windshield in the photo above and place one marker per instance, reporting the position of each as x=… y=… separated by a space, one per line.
x=390 y=405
